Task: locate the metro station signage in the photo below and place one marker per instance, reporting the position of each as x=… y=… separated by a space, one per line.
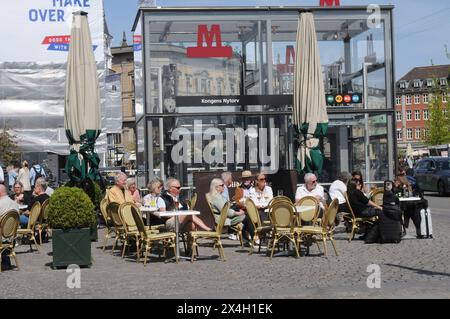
x=343 y=99
x=209 y=50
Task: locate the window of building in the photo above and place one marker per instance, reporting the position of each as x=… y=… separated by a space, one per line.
x=416 y=83
x=417 y=133
x=398 y=116
x=417 y=99
x=409 y=134
x=425 y=98
x=443 y=81
x=398 y=100
x=409 y=115
x=425 y=133
x=399 y=134
x=425 y=114
x=417 y=115
x=403 y=85
x=429 y=82
x=408 y=100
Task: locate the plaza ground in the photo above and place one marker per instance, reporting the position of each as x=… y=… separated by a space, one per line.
x=411 y=269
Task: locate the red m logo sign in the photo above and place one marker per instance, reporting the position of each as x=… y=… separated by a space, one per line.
x=207 y=37
x=330 y=3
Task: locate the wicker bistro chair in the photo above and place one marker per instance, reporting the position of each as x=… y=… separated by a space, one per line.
x=108 y=222
x=42 y=223
x=30 y=230
x=272 y=201
x=147 y=237
x=261 y=231
x=237 y=228
x=195 y=236
x=119 y=231
x=355 y=222
x=192 y=202
x=282 y=217
x=325 y=230
x=129 y=226
x=310 y=216
x=376 y=196
x=9 y=223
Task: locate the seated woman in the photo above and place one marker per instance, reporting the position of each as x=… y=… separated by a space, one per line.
x=131 y=186
x=217 y=201
x=153 y=200
x=361 y=205
x=18 y=196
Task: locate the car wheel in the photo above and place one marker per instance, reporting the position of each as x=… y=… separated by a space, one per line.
x=441 y=188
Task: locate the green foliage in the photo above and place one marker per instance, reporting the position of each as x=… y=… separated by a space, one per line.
x=8 y=147
x=438 y=124
x=70 y=207
x=92 y=189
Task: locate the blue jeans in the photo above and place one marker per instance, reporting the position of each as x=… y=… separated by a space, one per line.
x=23 y=221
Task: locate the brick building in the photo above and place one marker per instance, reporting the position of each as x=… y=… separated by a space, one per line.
x=411 y=103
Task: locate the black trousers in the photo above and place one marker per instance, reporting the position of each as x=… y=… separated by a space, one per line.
x=411 y=210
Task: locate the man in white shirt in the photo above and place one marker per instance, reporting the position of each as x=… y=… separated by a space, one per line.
x=311 y=188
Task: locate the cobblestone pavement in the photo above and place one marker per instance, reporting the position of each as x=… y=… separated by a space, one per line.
x=412 y=269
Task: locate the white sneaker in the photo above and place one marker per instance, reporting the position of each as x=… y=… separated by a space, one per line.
x=232 y=237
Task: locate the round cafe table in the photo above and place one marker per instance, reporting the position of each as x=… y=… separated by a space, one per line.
x=178 y=213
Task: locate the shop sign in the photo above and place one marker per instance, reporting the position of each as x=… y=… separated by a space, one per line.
x=204 y=36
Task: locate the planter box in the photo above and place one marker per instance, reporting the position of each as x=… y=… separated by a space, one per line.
x=71 y=247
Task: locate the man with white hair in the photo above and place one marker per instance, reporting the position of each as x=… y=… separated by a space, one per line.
x=118 y=193
x=311 y=188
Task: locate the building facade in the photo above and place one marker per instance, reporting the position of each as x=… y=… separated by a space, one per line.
x=413 y=93
x=123 y=64
x=204 y=73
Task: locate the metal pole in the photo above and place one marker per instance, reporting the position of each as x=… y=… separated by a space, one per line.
x=366 y=123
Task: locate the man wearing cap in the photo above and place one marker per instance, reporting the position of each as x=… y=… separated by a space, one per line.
x=243 y=191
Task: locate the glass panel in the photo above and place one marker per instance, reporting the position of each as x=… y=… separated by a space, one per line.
x=344 y=45
x=183 y=75
x=218 y=142
x=140 y=154
x=344 y=147
x=138 y=71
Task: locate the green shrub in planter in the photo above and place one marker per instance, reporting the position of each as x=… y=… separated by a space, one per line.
x=70 y=207
x=71 y=214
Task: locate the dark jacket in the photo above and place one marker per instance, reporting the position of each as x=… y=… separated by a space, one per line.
x=170 y=205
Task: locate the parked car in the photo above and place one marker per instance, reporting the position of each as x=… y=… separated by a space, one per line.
x=433 y=174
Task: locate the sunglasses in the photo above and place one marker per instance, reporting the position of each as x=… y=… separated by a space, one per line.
x=222 y=185
x=177 y=187
x=314 y=181
x=261 y=179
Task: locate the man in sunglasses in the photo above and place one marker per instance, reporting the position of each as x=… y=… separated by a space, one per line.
x=311 y=188
x=173 y=201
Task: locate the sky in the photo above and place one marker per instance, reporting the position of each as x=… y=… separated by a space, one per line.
x=421 y=27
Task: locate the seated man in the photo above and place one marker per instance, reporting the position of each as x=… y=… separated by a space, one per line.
x=338 y=188
x=311 y=188
x=39 y=195
x=118 y=193
x=172 y=201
